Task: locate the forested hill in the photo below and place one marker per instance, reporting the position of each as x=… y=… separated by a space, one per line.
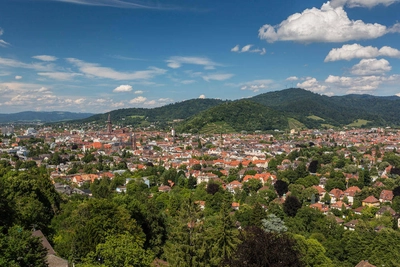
x=35 y=116
x=176 y=111
x=297 y=107
x=240 y=115
x=316 y=110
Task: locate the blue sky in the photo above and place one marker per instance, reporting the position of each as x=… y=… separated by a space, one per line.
x=101 y=55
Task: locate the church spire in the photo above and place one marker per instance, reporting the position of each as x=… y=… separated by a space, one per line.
x=109 y=124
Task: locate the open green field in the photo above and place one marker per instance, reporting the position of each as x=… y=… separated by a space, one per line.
x=217 y=127
x=136 y=117
x=295 y=124
x=358 y=123
x=313 y=117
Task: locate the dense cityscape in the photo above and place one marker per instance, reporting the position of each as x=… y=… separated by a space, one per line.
x=201 y=199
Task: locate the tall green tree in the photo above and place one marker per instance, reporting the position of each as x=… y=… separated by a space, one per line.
x=18 y=248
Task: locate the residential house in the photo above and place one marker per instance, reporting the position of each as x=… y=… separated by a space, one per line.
x=233 y=185
x=336 y=195
x=351 y=192
x=351 y=225
x=371 y=201
x=364 y=264
x=386 y=196
x=383 y=210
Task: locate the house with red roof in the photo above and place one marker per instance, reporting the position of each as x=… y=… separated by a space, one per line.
x=386 y=196
x=371 y=201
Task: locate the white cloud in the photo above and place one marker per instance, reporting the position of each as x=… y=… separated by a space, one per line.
x=151 y=103
x=138 y=100
x=235 y=49
x=313 y=85
x=177 y=62
x=292 y=78
x=138 y=92
x=217 y=77
x=7 y=62
x=202 y=96
x=79 y=101
x=2 y=42
x=356 y=84
x=256 y=85
x=123 y=88
x=371 y=67
x=96 y=70
x=18 y=77
x=45 y=58
x=63 y=76
x=187 y=81
x=247 y=49
x=389 y=52
x=348 y=52
x=362 y=3
x=327 y=24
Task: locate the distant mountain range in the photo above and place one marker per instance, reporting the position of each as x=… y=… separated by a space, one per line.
x=286 y=109
x=42 y=116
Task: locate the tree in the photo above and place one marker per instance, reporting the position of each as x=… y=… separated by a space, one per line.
x=273 y=224
x=19 y=248
x=223 y=236
x=257 y=215
x=260 y=248
x=281 y=187
x=122 y=250
x=312 y=252
x=291 y=206
x=184 y=246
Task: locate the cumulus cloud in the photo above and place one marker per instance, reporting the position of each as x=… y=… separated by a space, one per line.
x=79 y=101
x=202 y=96
x=356 y=84
x=177 y=62
x=138 y=100
x=256 y=85
x=123 y=88
x=96 y=70
x=328 y=24
x=217 y=77
x=138 y=92
x=45 y=58
x=362 y=3
x=2 y=42
x=371 y=67
x=292 y=78
x=313 y=85
x=18 y=77
x=247 y=49
x=348 y=52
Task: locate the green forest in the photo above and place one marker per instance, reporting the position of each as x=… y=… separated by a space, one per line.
x=262 y=112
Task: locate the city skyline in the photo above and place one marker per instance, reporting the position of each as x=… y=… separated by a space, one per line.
x=100 y=55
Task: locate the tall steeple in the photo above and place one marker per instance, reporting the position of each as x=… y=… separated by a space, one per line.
x=134 y=147
x=109 y=124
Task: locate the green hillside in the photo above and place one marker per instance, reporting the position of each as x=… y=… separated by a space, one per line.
x=264 y=112
x=176 y=111
x=241 y=115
